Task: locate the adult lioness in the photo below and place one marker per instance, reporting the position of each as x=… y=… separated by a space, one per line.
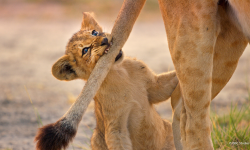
x=125 y=116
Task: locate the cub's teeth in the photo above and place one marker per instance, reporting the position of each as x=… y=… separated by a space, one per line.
x=106 y=51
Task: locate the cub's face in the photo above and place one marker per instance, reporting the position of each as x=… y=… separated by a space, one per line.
x=82 y=51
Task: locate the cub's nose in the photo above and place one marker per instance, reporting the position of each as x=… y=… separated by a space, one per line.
x=105 y=42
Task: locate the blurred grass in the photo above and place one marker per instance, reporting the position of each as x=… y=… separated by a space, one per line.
x=232 y=131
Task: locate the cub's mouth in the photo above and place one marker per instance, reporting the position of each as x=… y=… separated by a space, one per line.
x=107 y=49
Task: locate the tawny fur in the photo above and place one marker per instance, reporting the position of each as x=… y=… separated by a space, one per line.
x=228 y=48
x=206 y=39
x=126 y=118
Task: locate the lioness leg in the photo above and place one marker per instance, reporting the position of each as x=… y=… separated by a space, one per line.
x=98 y=141
x=192 y=33
x=230 y=45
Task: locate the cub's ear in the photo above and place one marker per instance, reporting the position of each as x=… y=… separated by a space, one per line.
x=89 y=22
x=63 y=70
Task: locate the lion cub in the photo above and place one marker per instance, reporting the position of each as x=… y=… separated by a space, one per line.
x=125 y=115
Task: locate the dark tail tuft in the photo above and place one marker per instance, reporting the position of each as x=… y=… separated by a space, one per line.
x=54 y=136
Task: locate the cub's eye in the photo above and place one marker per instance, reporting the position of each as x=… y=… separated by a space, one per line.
x=94 y=33
x=85 y=50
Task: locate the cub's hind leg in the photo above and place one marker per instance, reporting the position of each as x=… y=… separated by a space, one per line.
x=169 y=136
x=98 y=141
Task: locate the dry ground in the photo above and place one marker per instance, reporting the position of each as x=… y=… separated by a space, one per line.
x=29 y=47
